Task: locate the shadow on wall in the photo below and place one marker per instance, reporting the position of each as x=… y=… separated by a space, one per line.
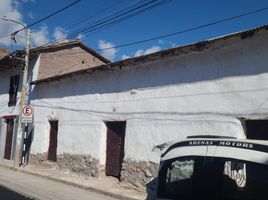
x=28 y=142
x=204 y=66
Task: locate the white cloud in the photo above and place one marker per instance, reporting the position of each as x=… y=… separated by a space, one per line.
x=152 y=50
x=167 y=42
x=80 y=36
x=108 y=53
x=173 y=44
x=59 y=34
x=40 y=37
x=9 y=9
x=141 y=52
x=125 y=57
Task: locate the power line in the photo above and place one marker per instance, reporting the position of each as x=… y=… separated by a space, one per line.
x=187 y=30
x=116 y=21
x=119 y=14
x=182 y=31
x=97 y=11
x=125 y=17
x=52 y=14
x=115 y=17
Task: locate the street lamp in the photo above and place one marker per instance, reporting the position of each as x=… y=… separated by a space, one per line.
x=21 y=125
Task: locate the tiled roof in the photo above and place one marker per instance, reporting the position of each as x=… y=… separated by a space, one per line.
x=157 y=55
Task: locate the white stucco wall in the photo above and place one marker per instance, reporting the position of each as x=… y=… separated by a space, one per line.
x=6 y=110
x=194 y=93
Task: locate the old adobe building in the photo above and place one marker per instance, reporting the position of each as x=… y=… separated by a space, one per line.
x=105 y=119
x=42 y=64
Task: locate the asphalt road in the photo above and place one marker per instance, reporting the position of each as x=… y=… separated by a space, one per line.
x=23 y=186
x=7 y=194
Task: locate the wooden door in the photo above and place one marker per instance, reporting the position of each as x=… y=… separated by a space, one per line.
x=9 y=137
x=52 y=149
x=115 y=147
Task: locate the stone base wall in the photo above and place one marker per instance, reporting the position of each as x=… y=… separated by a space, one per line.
x=39 y=157
x=81 y=164
x=138 y=173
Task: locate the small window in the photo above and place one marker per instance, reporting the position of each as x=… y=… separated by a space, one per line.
x=13 y=90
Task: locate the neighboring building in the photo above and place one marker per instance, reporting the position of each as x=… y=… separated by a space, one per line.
x=106 y=119
x=10 y=86
x=45 y=62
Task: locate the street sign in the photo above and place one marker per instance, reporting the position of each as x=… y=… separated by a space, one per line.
x=27 y=114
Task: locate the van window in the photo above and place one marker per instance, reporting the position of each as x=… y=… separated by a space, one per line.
x=199 y=177
x=179 y=176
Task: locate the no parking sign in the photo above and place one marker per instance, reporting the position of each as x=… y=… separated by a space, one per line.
x=27 y=114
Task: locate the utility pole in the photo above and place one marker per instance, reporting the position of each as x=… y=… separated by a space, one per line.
x=24 y=97
x=24 y=100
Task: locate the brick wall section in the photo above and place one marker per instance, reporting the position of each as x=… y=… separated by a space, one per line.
x=65 y=61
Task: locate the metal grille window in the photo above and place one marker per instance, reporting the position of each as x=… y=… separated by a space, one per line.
x=13 y=90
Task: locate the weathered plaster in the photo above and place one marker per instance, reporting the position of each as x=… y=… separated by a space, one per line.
x=81 y=164
x=201 y=92
x=138 y=173
x=189 y=94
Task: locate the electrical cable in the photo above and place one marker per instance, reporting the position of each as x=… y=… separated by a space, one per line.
x=103 y=22
x=50 y=15
x=181 y=31
x=97 y=11
x=187 y=30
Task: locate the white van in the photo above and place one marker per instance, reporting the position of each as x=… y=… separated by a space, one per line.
x=211 y=167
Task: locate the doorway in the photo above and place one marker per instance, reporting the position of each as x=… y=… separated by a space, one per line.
x=115 y=147
x=53 y=141
x=9 y=138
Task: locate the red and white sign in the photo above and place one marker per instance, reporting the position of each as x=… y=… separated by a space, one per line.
x=27 y=114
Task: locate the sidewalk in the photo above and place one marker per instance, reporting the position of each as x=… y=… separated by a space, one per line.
x=107 y=186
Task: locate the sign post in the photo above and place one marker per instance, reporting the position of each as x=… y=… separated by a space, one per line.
x=27 y=114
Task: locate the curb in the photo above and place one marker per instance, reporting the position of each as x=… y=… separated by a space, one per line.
x=92 y=189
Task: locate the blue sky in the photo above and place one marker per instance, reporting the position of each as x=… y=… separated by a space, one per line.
x=173 y=16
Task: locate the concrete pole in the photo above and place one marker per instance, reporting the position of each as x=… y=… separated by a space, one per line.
x=24 y=99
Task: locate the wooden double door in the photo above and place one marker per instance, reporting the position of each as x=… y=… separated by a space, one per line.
x=115 y=148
